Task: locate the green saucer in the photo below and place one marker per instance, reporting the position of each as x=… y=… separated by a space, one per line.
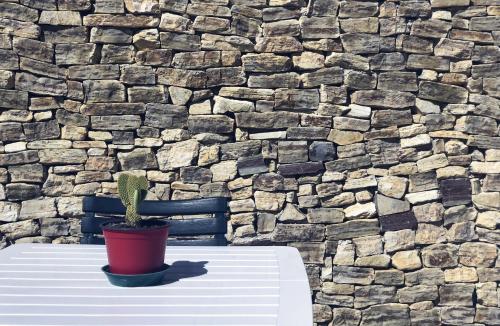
x=135 y=280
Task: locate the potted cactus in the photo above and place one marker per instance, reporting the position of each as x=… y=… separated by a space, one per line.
x=136 y=246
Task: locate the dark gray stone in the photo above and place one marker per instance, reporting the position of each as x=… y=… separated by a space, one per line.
x=292 y=151
x=352 y=229
x=488 y=315
x=291 y=232
x=321 y=151
x=11 y=131
x=300 y=168
x=72 y=54
x=51 y=227
x=269 y=182
x=21 y=191
x=197 y=175
x=138 y=159
x=166 y=116
x=210 y=123
x=432 y=28
x=110 y=35
x=27 y=173
x=123 y=137
x=423 y=181
x=425 y=317
x=42 y=68
x=386 y=118
x=267 y=120
x=277 y=80
x=23 y=157
x=266 y=62
x=11 y=99
x=384 y=99
x=42 y=130
x=398 y=221
x=360 y=43
x=137 y=75
x=350 y=163
x=365 y=296
x=116 y=122
x=17 y=11
x=455 y=191
x=251 y=165
x=353 y=275
x=325 y=76
x=40 y=85
x=360 y=80
x=420 y=61
x=182 y=77
x=33 y=49
x=355 y=9
x=71 y=119
x=440 y=255
x=457 y=315
x=319 y=27
x=73 y=34
x=456 y=294
x=9 y=60
x=388 y=61
x=442 y=93
x=98 y=91
x=296 y=100
x=390 y=314
x=403 y=81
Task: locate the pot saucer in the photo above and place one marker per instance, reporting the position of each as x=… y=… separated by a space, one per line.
x=135 y=280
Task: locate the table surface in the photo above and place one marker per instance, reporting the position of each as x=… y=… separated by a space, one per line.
x=44 y=284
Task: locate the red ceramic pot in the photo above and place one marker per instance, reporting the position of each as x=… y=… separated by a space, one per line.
x=136 y=250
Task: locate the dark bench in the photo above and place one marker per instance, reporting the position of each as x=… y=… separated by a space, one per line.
x=193 y=231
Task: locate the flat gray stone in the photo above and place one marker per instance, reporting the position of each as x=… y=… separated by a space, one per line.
x=387 y=205
x=352 y=229
x=384 y=99
x=442 y=93
x=440 y=255
x=390 y=314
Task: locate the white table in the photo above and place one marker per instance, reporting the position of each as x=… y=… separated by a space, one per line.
x=43 y=284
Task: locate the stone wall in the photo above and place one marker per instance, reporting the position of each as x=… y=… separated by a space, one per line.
x=363 y=133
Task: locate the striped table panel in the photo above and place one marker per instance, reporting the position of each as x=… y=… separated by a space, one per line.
x=60 y=285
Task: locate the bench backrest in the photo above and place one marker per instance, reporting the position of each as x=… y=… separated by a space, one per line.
x=191 y=228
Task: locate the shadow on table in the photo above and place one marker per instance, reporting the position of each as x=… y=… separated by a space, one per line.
x=184 y=269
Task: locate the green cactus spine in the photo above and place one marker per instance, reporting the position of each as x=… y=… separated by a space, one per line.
x=132 y=190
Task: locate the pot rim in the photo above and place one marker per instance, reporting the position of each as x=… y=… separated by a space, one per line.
x=158 y=224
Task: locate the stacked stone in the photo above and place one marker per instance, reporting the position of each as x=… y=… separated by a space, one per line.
x=363 y=133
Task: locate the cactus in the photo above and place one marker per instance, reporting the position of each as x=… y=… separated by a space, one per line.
x=132 y=190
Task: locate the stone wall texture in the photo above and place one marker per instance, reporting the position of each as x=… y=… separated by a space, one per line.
x=364 y=133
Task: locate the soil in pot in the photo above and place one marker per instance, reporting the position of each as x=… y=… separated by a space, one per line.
x=136 y=250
